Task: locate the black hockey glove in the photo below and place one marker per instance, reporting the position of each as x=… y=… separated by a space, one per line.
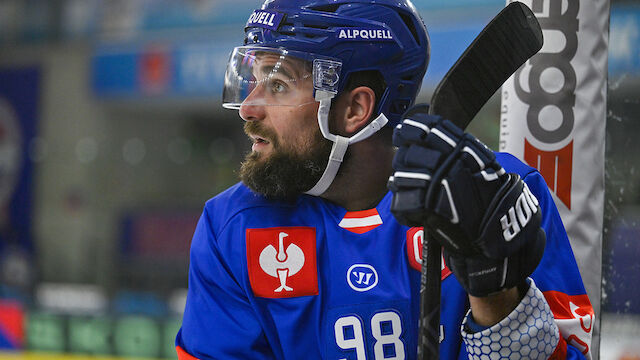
x=487 y=220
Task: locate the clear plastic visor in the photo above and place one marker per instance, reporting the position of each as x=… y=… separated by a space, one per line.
x=258 y=76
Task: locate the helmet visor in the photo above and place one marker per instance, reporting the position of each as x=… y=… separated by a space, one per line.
x=276 y=77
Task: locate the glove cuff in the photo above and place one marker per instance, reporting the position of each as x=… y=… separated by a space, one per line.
x=528 y=332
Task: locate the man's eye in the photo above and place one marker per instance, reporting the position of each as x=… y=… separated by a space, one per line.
x=278 y=87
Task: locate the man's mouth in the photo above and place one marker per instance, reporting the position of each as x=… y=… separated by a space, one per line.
x=258 y=139
x=258 y=142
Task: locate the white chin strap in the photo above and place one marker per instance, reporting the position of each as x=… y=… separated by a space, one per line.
x=340 y=143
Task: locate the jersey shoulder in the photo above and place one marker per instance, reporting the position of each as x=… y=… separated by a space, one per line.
x=239 y=203
x=235 y=198
x=514 y=165
x=530 y=175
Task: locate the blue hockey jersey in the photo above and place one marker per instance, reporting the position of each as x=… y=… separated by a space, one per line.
x=310 y=280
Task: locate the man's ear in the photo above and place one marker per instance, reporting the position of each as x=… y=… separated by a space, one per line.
x=360 y=104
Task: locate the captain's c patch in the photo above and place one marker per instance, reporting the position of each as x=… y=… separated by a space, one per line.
x=415 y=238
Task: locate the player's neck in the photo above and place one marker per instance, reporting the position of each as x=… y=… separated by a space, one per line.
x=362 y=179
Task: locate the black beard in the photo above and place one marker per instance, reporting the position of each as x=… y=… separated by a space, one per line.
x=285 y=174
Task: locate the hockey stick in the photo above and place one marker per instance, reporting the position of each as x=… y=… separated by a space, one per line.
x=510 y=39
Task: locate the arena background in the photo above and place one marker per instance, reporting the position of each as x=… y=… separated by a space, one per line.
x=112 y=137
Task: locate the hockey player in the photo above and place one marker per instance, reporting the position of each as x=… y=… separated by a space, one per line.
x=305 y=260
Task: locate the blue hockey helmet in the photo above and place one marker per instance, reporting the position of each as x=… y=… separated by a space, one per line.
x=387 y=36
x=293 y=48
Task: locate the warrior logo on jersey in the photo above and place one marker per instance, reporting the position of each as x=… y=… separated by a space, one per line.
x=362 y=277
x=415 y=237
x=282 y=261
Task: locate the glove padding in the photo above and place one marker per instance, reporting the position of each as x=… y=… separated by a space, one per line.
x=487 y=220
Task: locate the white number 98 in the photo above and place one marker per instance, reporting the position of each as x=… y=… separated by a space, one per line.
x=357 y=342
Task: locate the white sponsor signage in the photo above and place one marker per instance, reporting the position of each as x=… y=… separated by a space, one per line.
x=553 y=117
x=262 y=17
x=365 y=34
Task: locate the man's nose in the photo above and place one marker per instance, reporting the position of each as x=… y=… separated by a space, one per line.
x=252 y=108
x=251 y=112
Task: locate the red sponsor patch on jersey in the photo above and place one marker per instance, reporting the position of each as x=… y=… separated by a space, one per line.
x=282 y=261
x=574 y=316
x=566 y=306
x=415 y=237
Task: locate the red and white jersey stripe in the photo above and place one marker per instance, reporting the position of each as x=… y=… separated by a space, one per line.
x=360 y=222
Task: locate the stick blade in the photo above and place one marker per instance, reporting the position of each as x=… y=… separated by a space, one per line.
x=507 y=42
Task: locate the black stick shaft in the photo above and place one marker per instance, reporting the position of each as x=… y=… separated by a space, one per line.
x=511 y=38
x=429 y=342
